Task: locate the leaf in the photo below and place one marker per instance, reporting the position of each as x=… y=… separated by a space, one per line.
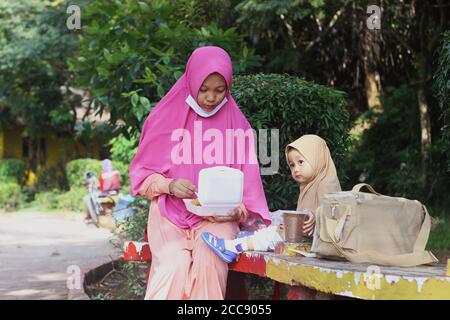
x=177 y=74
x=145 y=103
x=102 y=71
x=134 y=99
x=107 y=55
x=144 y=7
x=139 y=112
x=156 y=51
x=160 y=91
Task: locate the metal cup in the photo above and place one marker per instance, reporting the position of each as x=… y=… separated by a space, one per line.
x=293 y=226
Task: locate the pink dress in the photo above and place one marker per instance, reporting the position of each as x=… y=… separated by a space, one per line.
x=183 y=266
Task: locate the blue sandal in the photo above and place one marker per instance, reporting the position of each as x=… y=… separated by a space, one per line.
x=218 y=246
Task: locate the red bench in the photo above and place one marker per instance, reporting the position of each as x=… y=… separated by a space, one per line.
x=306 y=276
x=236 y=290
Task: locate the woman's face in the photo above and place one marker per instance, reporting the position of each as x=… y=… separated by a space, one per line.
x=212 y=92
x=301 y=170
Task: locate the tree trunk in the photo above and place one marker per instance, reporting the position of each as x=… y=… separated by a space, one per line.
x=370 y=50
x=425 y=128
x=422 y=65
x=371 y=58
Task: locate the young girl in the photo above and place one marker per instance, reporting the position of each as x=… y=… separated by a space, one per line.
x=313 y=169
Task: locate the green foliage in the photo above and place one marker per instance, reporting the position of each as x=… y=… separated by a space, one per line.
x=135 y=283
x=442 y=88
x=51 y=178
x=287 y=34
x=134 y=226
x=295 y=107
x=47 y=200
x=76 y=169
x=440 y=235
x=12 y=170
x=91 y=133
x=72 y=200
x=387 y=156
x=11 y=196
x=443 y=71
x=132 y=52
x=199 y=13
x=123 y=149
x=34 y=44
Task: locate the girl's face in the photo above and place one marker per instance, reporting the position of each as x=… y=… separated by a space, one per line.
x=212 y=92
x=301 y=170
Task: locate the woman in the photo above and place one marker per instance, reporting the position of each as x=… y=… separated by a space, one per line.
x=109 y=182
x=183 y=267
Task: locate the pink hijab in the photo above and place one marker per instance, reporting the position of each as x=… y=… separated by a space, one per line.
x=155 y=150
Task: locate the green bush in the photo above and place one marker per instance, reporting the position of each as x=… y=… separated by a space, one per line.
x=75 y=170
x=52 y=177
x=12 y=170
x=47 y=200
x=134 y=226
x=11 y=196
x=295 y=107
x=123 y=149
x=72 y=200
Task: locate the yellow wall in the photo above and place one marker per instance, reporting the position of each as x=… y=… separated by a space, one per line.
x=12 y=144
x=59 y=150
x=65 y=149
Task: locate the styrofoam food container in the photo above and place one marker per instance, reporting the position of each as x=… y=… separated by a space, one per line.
x=220 y=186
x=220 y=189
x=208 y=210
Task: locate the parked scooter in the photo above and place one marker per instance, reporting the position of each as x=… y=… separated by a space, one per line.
x=103 y=193
x=93 y=206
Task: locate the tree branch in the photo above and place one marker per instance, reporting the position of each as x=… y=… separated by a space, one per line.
x=401 y=40
x=329 y=26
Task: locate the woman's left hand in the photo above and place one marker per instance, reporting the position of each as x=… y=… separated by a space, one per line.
x=308 y=225
x=233 y=215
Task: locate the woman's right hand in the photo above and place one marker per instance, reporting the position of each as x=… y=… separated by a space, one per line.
x=182 y=188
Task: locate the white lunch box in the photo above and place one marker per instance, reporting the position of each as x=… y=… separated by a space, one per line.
x=220 y=189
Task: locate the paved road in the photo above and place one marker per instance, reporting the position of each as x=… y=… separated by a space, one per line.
x=36 y=250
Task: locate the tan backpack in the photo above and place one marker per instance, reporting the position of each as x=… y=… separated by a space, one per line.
x=372 y=228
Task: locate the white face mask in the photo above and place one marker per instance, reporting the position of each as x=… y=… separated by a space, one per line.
x=202 y=113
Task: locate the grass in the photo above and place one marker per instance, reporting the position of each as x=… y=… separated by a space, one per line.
x=439 y=240
x=440 y=236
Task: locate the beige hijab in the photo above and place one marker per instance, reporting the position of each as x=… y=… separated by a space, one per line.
x=315 y=150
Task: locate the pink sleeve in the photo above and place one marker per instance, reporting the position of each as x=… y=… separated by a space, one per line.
x=154 y=185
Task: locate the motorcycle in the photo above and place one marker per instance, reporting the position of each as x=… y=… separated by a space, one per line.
x=100 y=202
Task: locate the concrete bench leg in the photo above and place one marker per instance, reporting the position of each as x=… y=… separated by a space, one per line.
x=236 y=289
x=276 y=295
x=299 y=292
x=148 y=276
